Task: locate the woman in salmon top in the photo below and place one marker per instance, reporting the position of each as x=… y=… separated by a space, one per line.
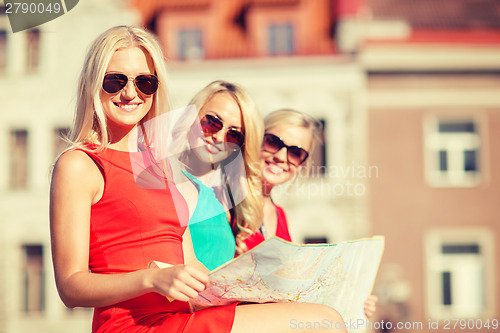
x=290 y=138
x=106 y=228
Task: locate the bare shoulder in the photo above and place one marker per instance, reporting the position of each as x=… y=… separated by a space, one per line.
x=77 y=163
x=76 y=169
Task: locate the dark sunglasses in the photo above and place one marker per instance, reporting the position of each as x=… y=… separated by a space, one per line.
x=273 y=144
x=114 y=82
x=211 y=124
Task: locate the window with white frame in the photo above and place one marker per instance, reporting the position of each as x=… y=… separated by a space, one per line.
x=453 y=155
x=34 y=291
x=460 y=273
x=281 y=39
x=190 y=44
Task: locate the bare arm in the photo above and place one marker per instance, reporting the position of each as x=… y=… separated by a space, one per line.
x=77 y=184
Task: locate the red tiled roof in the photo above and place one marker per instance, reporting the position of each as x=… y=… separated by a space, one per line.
x=148 y=8
x=231 y=30
x=440 y=14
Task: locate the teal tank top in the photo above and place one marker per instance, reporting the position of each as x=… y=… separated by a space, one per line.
x=213 y=240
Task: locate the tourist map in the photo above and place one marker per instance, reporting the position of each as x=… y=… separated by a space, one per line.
x=339 y=275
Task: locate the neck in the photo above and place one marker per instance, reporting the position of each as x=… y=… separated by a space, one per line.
x=121 y=138
x=268 y=201
x=266 y=190
x=199 y=168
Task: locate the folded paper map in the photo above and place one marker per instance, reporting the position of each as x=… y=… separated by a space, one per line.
x=339 y=275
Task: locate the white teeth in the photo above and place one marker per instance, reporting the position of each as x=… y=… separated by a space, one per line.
x=127 y=107
x=217 y=147
x=275 y=169
x=212 y=149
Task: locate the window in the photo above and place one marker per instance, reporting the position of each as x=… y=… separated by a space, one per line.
x=34 y=295
x=460 y=270
x=59 y=140
x=190 y=44
x=32 y=50
x=18 y=159
x=318 y=156
x=281 y=39
x=453 y=152
x=3 y=51
x=315 y=240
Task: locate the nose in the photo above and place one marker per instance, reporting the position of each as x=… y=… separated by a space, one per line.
x=129 y=91
x=280 y=155
x=219 y=136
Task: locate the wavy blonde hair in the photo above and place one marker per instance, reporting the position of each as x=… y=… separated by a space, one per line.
x=89 y=124
x=247 y=214
x=291 y=117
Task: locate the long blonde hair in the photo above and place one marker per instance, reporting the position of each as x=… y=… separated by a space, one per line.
x=247 y=214
x=89 y=123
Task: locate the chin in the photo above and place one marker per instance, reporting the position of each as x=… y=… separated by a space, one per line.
x=274 y=179
x=206 y=157
x=218 y=158
x=203 y=156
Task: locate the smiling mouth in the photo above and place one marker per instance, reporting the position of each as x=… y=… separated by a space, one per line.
x=212 y=149
x=127 y=107
x=275 y=169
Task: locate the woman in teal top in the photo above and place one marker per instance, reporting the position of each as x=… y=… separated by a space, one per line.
x=223 y=155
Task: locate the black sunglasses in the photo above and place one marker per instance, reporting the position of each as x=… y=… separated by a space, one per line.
x=273 y=144
x=114 y=82
x=211 y=124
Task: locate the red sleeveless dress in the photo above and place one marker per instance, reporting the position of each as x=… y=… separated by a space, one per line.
x=131 y=226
